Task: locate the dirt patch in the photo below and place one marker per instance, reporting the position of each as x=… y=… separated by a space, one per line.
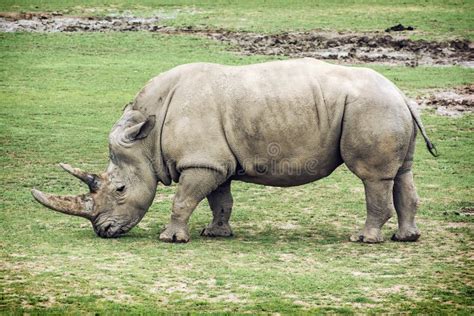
x=454 y=103
x=57 y=22
x=346 y=47
x=353 y=47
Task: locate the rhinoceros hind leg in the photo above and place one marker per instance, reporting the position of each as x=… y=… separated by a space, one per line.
x=194 y=185
x=217 y=231
x=220 y=201
x=406 y=201
x=376 y=136
x=405 y=198
x=378 y=194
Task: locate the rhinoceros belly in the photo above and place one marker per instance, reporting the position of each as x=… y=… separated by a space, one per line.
x=297 y=156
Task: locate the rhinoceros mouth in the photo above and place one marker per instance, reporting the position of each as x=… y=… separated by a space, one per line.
x=107 y=226
x=109 y=231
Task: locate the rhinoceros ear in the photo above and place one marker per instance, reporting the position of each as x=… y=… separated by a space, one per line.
x=140 y=130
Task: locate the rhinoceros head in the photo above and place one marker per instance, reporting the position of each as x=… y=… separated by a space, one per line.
x=119 y=197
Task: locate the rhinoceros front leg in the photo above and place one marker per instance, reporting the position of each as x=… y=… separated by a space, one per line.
x=194 y=185
x=379 y=200
x=220 y=201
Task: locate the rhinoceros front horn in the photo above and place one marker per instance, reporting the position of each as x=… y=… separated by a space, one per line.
x=79 y=205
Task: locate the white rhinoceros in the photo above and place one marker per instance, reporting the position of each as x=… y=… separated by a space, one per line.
x=282 y=123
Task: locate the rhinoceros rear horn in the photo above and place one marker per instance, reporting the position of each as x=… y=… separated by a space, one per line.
x=80 y=205
x=91 y=180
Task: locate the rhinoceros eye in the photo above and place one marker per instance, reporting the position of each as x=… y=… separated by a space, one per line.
x=121 y=188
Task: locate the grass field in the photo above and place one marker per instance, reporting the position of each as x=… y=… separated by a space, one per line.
x=61 y=93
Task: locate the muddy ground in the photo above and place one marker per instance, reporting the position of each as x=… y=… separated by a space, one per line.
x=454 y=102
x=341 y=47
x=380 y=48
x=57 y=22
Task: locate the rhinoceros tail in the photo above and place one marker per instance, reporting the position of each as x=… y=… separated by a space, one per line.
x=416 y=117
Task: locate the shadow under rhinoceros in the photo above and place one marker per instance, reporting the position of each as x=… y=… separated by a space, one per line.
x=324 y=234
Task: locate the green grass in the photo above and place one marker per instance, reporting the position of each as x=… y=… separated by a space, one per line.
x=439 y=19
x=60 y=94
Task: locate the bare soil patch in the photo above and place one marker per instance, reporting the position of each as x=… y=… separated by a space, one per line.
x=454 y=102
x=51 y=22
x=347 y=47
x=378 y=48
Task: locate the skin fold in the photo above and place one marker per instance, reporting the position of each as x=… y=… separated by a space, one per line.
x=282 y=123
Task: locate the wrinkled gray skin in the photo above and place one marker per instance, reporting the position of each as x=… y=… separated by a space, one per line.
x=283 y=123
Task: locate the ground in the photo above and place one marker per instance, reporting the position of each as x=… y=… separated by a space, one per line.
x=62 y=92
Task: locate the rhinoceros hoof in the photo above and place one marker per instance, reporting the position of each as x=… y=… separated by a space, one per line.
x=217 y=231
x=367 y=237
x=174 y=233
x=407 y=236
